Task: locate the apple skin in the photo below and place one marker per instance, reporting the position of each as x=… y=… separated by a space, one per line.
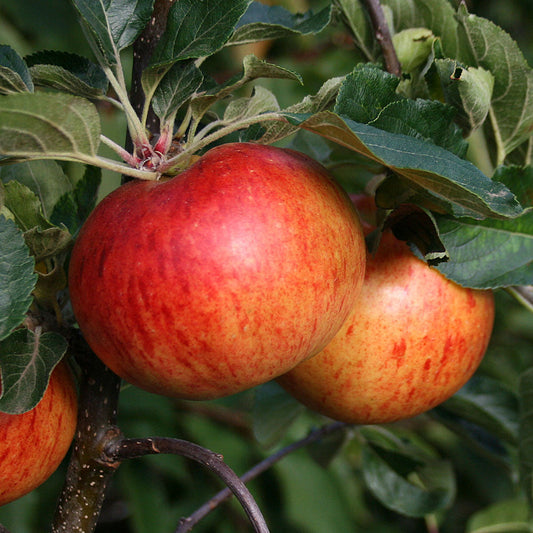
x=412 y=340
x=221 y=278
x=33 y=444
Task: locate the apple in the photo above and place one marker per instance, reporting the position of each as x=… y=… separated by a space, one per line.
x=221 y=278
x=413 y=338
x=33 y=444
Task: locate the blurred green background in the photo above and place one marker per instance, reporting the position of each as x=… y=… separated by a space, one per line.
x=298 y=495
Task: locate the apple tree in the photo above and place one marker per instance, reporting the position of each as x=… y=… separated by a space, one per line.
x=423 y=106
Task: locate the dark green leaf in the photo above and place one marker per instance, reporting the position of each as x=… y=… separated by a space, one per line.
x=14 y=74
x=433 y=491
x=68 y=72
x=488 y=404
x=273 y=412
x=52 y=126
x=26 y=361
x=368 y=95
x=525 y=449
x=17 y=277
x=262 y=22
x=72 y=209
x=197 y=29
x=177 y=86
x=490 y=253
x=114 y=24
x=426 y=166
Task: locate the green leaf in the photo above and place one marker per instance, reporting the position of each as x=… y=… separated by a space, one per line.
x=43 y=239
x=435 y=15
x=180 y=83
x=356 y=18
x=68 y=72
x=43 y=176
x=431 y=490
x=50 y=126
x=488 y=404
x=26 y=361
x=505 y=516
x=273 y=411
x=73 y=208
x=14 y=74
x=425 y=166
x=253 y=68
x=114 y=24
x=487 y=46
x=197 y=29
x=467 y=89
x=413 y=47
x=261 y=101
x=488 y=254
x=368 y=95
x=25 y=206
x=262 y=22
x=17 y=277
x=525 y=449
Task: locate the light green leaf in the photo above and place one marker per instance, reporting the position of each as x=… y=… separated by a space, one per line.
x=17 y=277
x=261 y=101
x=25 y=206
x=49 y=126
x=424 y=165
x=262 y=22
x=469 y=90
x=506 y=516
x=44 y=177
x=487 y=46
x=26 y=361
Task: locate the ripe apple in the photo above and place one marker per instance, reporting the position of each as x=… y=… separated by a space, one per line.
x=221 y=278
x=413 y=338
x=33 y=444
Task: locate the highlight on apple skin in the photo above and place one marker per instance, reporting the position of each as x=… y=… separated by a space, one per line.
x=221 y=278
x=33 y=444
x=413 y=339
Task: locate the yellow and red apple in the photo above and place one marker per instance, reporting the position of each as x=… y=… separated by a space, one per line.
x=413 y=338
x=33 y=444
x=221 y=278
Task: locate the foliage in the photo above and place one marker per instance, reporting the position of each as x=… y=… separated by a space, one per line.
x=445 y=150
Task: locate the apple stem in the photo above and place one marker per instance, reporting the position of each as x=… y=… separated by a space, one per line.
x=133 y=448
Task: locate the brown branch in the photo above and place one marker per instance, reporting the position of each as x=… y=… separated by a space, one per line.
x=186 y=524
x=88 y=473
x=383 y=36
x=132 y=448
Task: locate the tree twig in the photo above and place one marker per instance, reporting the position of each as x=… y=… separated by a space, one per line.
x=186 y=524
x=88 y=472
x=383 y=36
x=132 y=448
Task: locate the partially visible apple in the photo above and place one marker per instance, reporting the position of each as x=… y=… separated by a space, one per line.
x=412 y=340
x=221 y=278
x=33 y=444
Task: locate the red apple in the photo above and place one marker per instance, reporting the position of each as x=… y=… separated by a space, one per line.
x=413 y=339
x=33 y=444
x=221 y=278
